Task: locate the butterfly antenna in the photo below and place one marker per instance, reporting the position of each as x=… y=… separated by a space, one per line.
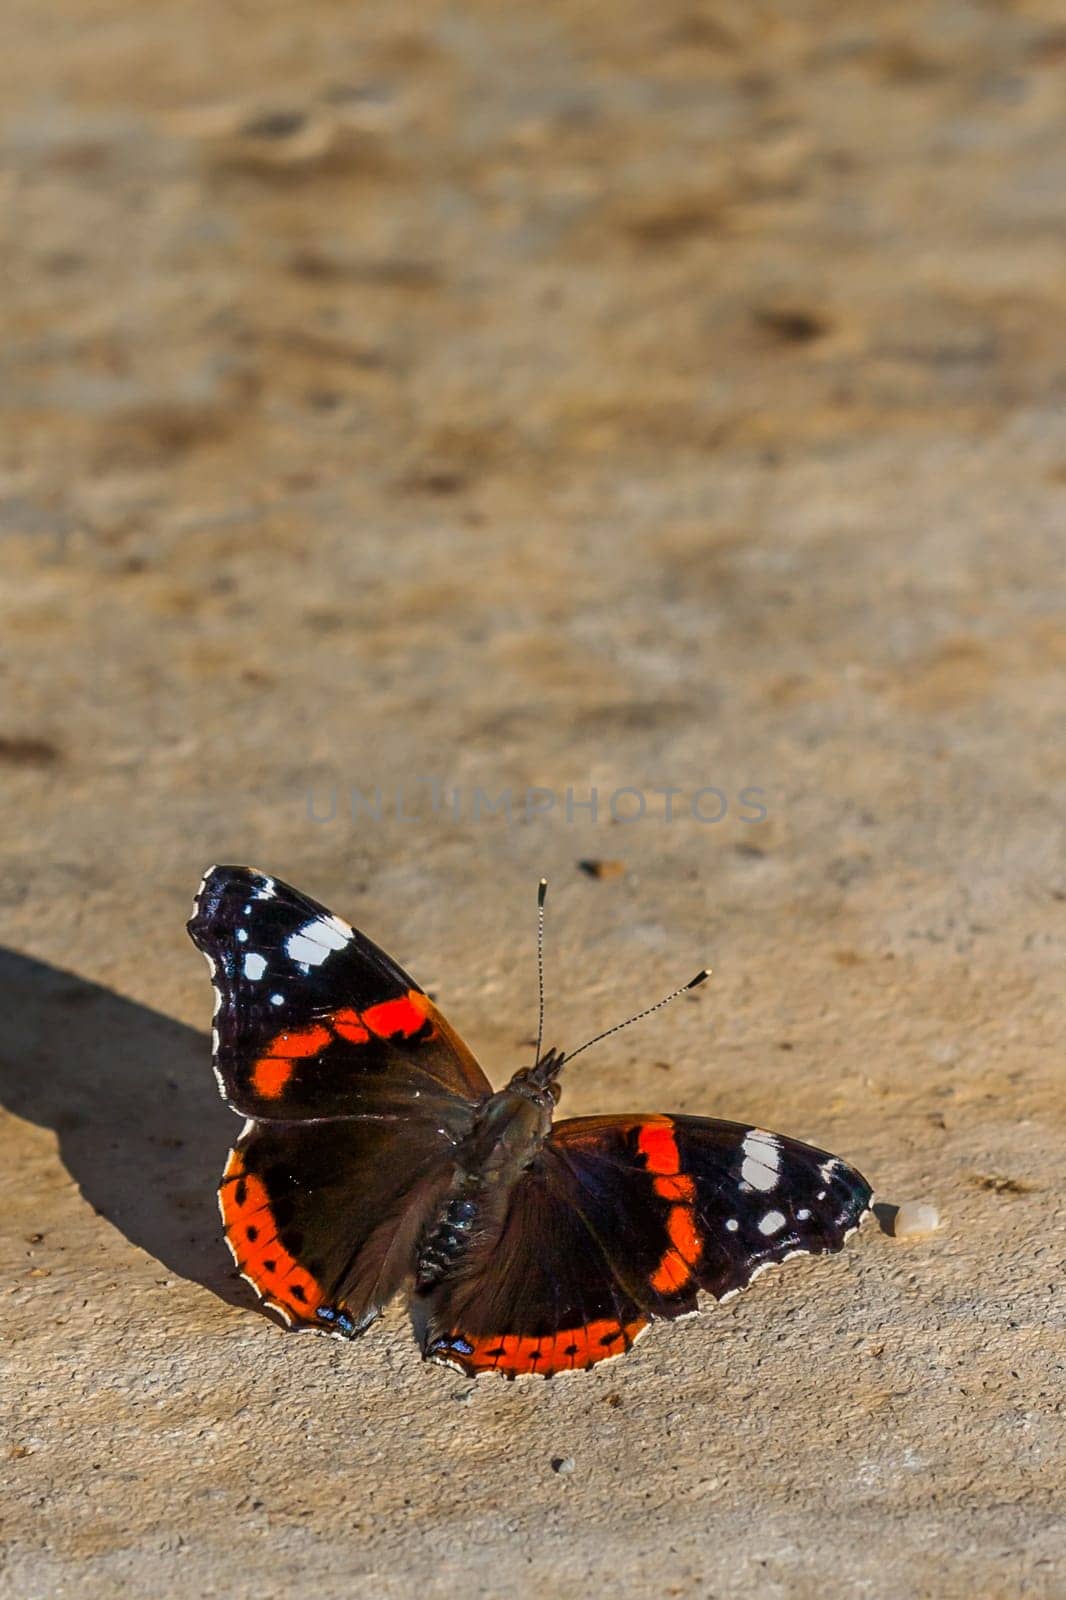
x=693 y=983
x=542 y=890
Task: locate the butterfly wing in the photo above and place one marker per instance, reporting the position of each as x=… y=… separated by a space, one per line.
x=357 y=1091
x=323 y=1218
x=683 y=1204
x=311 y=1018
x=533 y=1295
x=622 y=1219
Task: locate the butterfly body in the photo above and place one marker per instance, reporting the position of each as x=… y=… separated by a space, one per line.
x=376 y=1158
x=508 y=1131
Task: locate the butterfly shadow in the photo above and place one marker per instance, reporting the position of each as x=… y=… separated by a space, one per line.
x=132 y=1101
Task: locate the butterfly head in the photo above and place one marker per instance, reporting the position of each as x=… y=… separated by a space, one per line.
x=542 y=1079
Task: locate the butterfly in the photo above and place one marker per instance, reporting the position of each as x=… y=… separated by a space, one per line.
x=375 y=1157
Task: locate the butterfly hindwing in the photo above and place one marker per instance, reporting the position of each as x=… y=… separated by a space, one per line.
x=683 y=1204
x=536 y=1295
x=312 y=1019
x=323 y=1218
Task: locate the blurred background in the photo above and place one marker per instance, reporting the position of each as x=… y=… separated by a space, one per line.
x=419 y=402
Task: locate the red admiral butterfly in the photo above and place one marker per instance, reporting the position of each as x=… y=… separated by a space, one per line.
x=376 y=1155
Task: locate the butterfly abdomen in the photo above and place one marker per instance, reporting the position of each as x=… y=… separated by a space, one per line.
x=509 y=1130
x=447 y=1239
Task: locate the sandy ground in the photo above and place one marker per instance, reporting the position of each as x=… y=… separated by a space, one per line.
x=540 y=396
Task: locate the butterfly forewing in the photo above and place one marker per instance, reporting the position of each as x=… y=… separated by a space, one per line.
x=683 y=1204
x=312 y=1019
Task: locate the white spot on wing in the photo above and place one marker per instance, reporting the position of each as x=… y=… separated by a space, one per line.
x=277 y=999
x=732 y=1224
x=772 y=1222
x=242 y=935
x=762 y=1160
x=254 y=965
x=313 y=942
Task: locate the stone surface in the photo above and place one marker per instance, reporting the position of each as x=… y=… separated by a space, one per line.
x=532 y=397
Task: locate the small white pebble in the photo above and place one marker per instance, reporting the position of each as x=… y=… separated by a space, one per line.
x=563 y=1464
x=914 y=1218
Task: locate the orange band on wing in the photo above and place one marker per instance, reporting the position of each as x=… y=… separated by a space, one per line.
x=275 y=1067
x=671 y=1274
x=678 y=1187
x=270 y=1075
x=658 y=1146
x=674 y=1271
x=261 y=1257
x=681 y=1226
x=513 y=1354
x=657 y=1143
x=346 y=1024
x=300 y=1042
x=405 y=1016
